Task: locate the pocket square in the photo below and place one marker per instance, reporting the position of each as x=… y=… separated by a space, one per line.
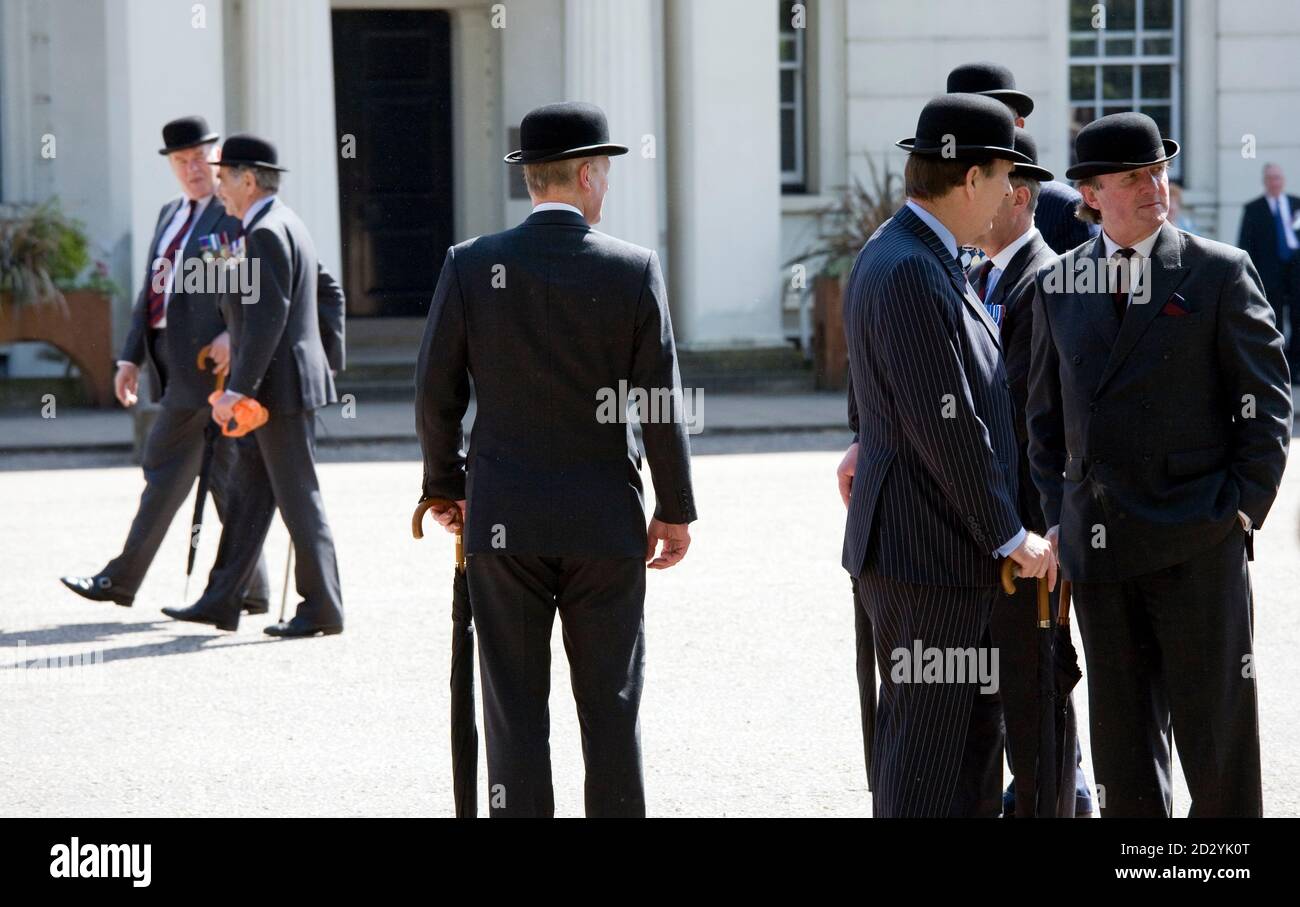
x=1176 y=306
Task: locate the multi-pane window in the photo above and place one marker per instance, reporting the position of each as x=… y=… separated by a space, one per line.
x=794 y=142
x=1132 y=63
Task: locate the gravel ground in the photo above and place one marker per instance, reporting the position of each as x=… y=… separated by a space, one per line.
x=750 y=700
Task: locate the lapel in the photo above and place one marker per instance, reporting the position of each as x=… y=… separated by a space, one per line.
x=211 y=214
x=1014 y=270
x=274 y=203
x=951 y=265
x=1098 y=304
x=1165 y=274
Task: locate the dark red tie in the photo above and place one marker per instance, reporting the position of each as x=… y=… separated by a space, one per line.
x=158 y=288
x=982 y=278
x=1123 y=280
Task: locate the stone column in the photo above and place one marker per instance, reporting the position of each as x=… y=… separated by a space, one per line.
x=288 y=98
x=608 y=61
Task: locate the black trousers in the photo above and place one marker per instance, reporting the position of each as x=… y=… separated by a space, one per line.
x=1172 y=651
x=173 y=456
x=938 y=744
x=275 y=466
x=601 y=603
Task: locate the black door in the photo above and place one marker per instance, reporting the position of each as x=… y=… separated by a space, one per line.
x=392 y=95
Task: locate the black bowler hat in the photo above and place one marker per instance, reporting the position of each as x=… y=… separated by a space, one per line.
x=992 y=80
x=249 y=151
x=979 y=127
x=187 y=132
x=1026 y=145
x=1119 y=142
x=557 y=132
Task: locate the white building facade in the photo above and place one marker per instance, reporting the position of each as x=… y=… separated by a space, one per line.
x=746 y=118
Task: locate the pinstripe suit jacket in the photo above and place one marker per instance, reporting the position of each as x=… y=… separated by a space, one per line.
x=1054 y=217
x=934 y=490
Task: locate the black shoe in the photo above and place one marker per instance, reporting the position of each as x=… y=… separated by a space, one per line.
x=255 y=606
x=301 y=627
x=98 y=588
x=200 y=614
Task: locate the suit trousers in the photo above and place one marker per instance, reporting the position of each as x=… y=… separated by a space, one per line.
x=275 y=466
x=601 y=603
x=938 y=747
x=173 y=456
x=1172 y=651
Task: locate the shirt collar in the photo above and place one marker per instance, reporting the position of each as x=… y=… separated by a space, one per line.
x=1142 y=248
x=255 y=207
x=557 y=206
x=945 y=235
x=1003 y=258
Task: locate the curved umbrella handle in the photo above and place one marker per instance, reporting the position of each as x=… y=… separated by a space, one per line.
x=1009 y=574
x=417 y=518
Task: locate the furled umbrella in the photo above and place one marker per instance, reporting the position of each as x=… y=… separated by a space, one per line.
x=1066 y=666
x=210 y=432
x=464 y=730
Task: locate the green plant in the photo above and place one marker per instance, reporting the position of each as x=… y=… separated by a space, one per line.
x=43 y=251
x=853 y=220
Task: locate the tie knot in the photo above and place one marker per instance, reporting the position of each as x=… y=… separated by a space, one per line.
x=1124 y=253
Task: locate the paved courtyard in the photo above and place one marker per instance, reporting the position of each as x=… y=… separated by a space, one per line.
x=750 y=702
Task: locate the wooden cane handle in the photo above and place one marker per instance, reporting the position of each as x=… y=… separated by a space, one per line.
x=1009 y=574
x=1063 y=609
x=417 y=526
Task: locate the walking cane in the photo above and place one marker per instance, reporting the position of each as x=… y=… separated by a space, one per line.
x=284 y=591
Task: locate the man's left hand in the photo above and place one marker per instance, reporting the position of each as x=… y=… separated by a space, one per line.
x=223 y=409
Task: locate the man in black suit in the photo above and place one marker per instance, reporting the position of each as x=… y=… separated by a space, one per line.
x=1269 y=236
x=169 y=325
x=558 y=326
x=1159 y=418
x=1057 y=202
x=933 y=500
x=278 y=357
x=1015 y=251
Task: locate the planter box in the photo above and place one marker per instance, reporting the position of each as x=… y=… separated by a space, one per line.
x=83 y=332
x=830 y=350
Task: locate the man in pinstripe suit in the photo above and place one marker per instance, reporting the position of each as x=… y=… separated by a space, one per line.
x=933 y=502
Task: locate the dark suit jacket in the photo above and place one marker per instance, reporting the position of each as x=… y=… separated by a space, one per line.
x=1014 y=291
x=277 y=353
x=934 y=488
x=1054 y=217
x=1258 y=237
x=193 y=319
x=578 y=312
x=1139 y=429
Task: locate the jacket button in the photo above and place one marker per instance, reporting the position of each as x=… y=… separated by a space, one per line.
x=1092 y=407
x=1098 y=460
x=1077 y=359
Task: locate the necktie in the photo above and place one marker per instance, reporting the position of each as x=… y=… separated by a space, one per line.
x=158 y=288
x=1122 y=274
x=982 y=278
x=1284 y=251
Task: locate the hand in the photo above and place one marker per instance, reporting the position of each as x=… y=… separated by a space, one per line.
x=223 y=409
x=126 y=384
x=220 y=352
x=676 y=538
x=844 y=472
x=452 y=518
x=1036 y=558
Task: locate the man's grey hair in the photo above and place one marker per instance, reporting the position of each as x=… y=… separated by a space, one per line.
x=541 y=178
x=1034 y=187
x=1083 y=211
x=267 y=180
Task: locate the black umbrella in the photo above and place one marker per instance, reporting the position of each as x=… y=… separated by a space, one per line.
x=210 y=432
x=464 y=730
x=1068 y=675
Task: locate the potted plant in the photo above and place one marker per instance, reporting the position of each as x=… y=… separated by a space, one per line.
x=846 y=227
x=51 y=290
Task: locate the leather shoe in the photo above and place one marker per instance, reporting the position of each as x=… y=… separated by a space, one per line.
x=300 y=627
x=199 y=614
x=98 y=588
x=255 y=606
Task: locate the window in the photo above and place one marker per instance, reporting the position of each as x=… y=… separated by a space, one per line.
x=794 y=142
x=1131 y=64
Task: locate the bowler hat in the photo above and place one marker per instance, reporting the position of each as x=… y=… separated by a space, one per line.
x=187 y=132
x=992 y=80
x=557 y=132
x=1119 y=142
x=1026 y=145
x=249 y=151
x=965 y=127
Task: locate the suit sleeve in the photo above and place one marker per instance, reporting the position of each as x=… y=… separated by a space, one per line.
x=265 y=316
x=934 y=403
x=853 y=411
x=1251 y=356
x=442 y=388
x=1245 y=233
x=1044 y=415
x=331 y=305
x=654 y=366
x=133 y=346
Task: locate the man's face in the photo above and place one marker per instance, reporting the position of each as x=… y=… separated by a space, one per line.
x=1133 y=204
x=1006 y=221
x=1274 y=181
x=193 y=170
x=236 y=189
x=991 y=194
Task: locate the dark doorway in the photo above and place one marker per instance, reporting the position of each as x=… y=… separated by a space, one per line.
x=392 y=93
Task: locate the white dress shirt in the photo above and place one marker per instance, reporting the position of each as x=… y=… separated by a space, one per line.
x=1003 y=258
x=173 y=227
x=256 y=207
x=1285 y=204
x=558 y=206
